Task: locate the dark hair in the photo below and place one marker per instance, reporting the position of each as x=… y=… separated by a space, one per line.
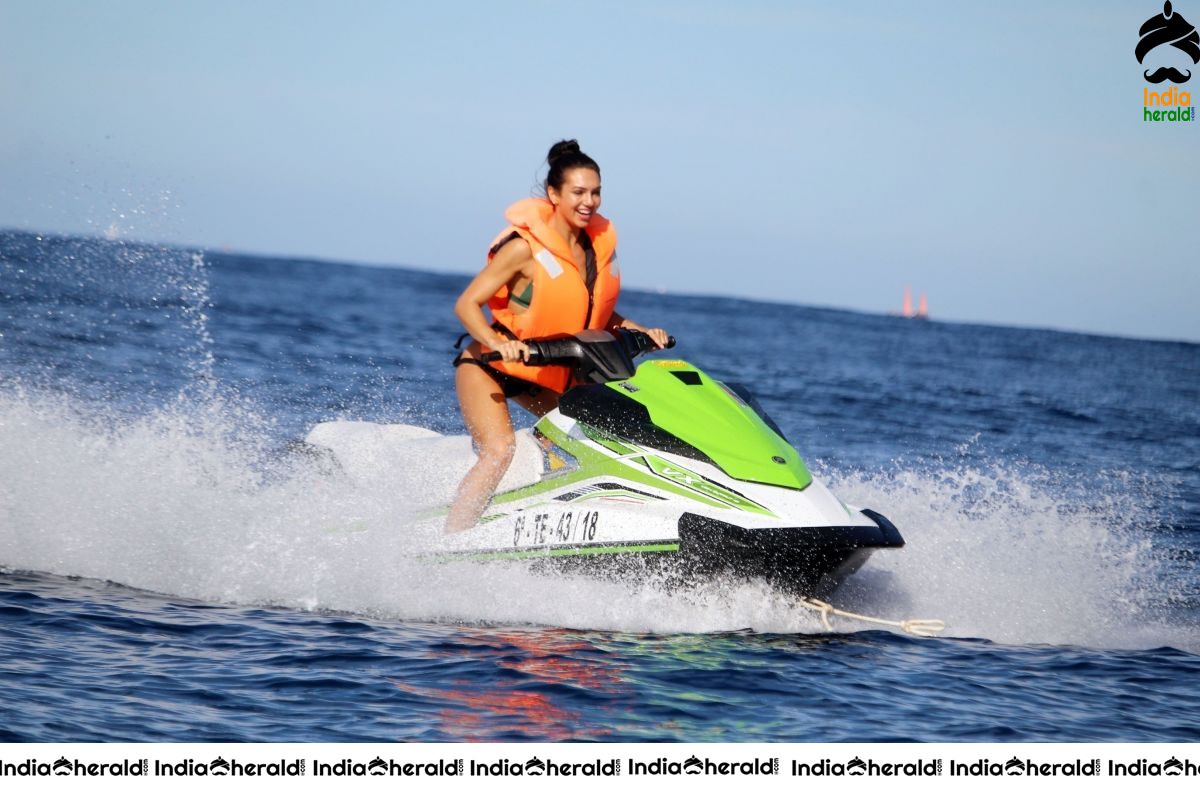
x=565 y=155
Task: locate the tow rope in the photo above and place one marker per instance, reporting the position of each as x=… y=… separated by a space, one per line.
x=916 y=627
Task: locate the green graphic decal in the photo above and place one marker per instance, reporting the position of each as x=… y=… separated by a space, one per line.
x=616 y=495
x=592 y=464
x=542 y=553
x=605 y=440
x=690 y=479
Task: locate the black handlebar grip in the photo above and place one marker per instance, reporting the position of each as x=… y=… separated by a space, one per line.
x=536 y=351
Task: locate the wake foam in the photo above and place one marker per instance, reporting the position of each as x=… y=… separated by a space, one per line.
x=1017 y=553
x=196 y=500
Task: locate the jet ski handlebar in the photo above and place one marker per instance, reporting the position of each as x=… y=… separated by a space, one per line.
x=596 y=355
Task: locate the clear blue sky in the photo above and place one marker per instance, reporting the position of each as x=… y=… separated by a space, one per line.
x=991 y=155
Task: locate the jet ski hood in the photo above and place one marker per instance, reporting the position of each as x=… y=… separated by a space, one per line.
x=675 y=407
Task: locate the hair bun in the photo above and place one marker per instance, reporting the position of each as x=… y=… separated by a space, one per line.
x=560 y=149
x=565 y=156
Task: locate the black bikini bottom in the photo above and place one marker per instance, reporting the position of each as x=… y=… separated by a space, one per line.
x=510 y=385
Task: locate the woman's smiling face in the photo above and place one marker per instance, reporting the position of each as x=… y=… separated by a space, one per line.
x=579 y=198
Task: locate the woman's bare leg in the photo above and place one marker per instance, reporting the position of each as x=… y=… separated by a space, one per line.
x=485 y=411
x=540 y=404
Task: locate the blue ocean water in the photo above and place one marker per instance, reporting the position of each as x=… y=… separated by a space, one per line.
x=170 y=571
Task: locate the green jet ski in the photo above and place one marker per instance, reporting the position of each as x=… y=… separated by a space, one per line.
x=656 y=469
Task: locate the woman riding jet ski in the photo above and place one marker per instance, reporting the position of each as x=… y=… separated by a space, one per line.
x=553 y=271
x=625 y=468
x=658 y=467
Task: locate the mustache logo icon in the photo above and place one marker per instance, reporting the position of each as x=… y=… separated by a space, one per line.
x=1167 y=73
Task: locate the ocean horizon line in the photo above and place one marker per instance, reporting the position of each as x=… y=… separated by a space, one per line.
x=230 y=252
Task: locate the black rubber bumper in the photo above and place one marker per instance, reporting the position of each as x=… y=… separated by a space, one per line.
x=806 y=560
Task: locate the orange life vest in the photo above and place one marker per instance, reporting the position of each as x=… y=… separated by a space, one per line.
x=561 y=303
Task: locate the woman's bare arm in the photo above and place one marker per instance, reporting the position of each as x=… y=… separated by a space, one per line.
x=513 y=260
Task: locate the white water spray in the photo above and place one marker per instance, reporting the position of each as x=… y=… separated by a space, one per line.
x=196 y=503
